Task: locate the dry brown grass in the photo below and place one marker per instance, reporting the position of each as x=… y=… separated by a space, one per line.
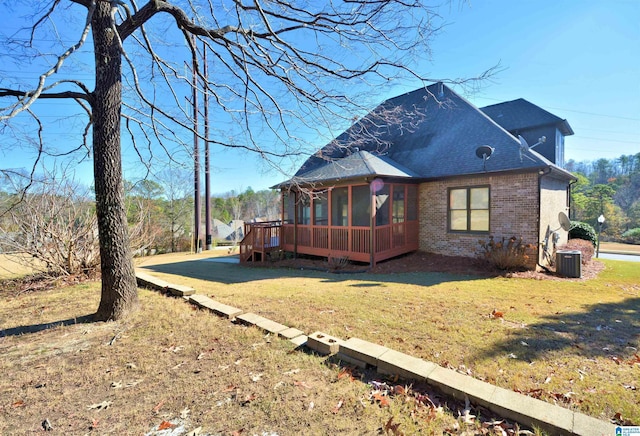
x=619 y=247
x=569 y=342
x=15 y=265
x=170 y=363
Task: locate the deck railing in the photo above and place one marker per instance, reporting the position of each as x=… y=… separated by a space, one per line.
x=328 y=241
x=260 y=238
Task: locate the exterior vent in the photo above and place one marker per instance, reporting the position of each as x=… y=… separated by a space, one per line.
x=569 y=263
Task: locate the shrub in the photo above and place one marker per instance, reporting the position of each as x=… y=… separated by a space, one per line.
x=508 y=254
x=580 y=230
x=584 y=246
x=632 y=236
x=337 y=263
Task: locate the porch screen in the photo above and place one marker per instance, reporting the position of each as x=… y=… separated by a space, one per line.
x=304 y=211
x=289 y=200
x=340 y=207
x=360 y=209
x=382 y=206
x=320 y=210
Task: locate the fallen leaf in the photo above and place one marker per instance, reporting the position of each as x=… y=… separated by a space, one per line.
x=619 y=420
x=237 y=432
x=496 y=314
x=466 y=416
x=337 y=408
x=164 y=425
x=384 y=401
x=229 y=388
x=94 y=424
x=101 y=406
x=391 y=427
x=19 y=403
x=399 y=390
x=249 y=398
x=158 y=407
x=346 y=373
x=133 y=383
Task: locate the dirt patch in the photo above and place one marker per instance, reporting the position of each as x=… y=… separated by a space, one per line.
x=427 y=262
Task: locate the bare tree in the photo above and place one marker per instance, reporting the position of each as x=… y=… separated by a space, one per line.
x=55 y=226
x=275 y=62
x=178 y=204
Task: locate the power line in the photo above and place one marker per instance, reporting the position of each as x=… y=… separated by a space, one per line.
x=572 y=110
x=608 y=140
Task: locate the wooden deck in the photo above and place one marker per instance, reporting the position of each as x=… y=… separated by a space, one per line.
x=259 y=240
x=353 y=243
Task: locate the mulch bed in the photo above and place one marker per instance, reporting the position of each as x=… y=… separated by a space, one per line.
x=426 y=262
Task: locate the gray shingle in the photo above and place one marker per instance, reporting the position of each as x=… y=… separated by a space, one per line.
x=431 y=133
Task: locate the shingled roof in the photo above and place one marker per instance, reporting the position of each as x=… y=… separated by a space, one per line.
x=429 y=133
x=518 y=115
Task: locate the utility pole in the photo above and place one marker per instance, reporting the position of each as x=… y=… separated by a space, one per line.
x=196 y=158
x=207 y=179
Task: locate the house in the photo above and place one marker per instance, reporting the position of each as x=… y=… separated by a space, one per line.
x=426 y=170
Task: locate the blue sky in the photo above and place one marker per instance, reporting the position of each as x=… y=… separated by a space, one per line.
x=578 y=59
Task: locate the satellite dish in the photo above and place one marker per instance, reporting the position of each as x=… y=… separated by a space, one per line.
x=484 y=152
x=565 y=223
x=524 y=147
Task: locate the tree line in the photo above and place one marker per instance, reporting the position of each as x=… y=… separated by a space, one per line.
x=611 y=188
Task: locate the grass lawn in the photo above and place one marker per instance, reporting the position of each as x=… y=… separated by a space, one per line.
x=570 y=342
x=171 y=366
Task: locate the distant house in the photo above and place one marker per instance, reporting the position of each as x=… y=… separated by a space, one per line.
x=426 y=170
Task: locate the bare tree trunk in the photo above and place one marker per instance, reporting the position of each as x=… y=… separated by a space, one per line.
x=119 y=290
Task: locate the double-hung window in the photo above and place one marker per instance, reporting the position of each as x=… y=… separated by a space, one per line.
x=469 y=209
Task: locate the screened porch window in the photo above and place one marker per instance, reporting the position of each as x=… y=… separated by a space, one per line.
x=360 y=210
x=304 y=211
x=340 y=207
x=469 y=209
x=321 y=210
x=289 y=200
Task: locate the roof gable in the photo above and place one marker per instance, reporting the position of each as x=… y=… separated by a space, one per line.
x=521 y=114
x=432 y=132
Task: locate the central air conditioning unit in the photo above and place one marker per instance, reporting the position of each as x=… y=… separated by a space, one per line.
x=569 y=263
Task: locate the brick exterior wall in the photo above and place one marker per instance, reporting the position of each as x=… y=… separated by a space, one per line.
x=514 y=211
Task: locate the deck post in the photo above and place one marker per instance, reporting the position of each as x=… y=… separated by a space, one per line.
x=372 y=227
